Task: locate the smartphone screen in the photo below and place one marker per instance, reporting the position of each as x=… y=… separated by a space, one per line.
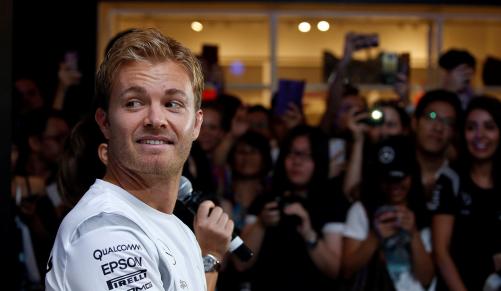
x=71 y=60
x=389 y=67
x=289 y=91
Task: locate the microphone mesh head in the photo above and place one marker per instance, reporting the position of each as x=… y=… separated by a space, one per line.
x=185 y=189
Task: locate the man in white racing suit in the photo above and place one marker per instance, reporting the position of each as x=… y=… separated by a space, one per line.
x=122 y=234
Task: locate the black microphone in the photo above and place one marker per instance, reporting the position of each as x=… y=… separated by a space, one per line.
x=192 y=199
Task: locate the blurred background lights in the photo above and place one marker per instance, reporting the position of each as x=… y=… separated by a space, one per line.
x=323 y=25
x=304 y=26
x=237 y=68
x=197 y=26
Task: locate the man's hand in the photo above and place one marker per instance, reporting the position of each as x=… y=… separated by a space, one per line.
x=213 y=229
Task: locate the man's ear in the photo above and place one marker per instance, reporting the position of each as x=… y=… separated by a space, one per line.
x=102 y=152
x=199 y=118
x=102 y=121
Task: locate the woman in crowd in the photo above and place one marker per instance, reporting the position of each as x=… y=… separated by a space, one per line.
x=387 y=243
x=250 y=164
x=296 y=231
x=467 y=221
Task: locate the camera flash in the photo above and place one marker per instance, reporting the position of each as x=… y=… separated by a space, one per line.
x=376 y=114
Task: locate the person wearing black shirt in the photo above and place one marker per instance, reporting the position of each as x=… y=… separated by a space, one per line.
x=467 y=222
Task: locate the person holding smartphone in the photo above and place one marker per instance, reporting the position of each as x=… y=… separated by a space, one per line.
x=387 y=242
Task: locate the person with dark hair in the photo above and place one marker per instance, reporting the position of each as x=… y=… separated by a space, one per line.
x=437 y=118
x=79 y=166
x=387 y=241
x=296 y=231
x=364 y=136
x=45 y=132
x=122 y=234
x=217 y=137
x=459 y=70
x=467 y=220
x=259 y=119
x=249 y=163
x=39 y=207
x=27 y=96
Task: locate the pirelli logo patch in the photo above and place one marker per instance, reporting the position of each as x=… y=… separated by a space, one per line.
x=126 y=279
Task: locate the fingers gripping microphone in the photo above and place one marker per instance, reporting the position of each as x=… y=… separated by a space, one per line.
x=191 y=200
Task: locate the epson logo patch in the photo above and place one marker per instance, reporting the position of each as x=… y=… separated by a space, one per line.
x=145 y=287
x=121 y=264
x=126 y=279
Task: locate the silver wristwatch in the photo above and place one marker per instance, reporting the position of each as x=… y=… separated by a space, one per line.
x=211 y=263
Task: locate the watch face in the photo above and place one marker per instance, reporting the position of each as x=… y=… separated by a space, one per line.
x=211 y=264
x=208 y=261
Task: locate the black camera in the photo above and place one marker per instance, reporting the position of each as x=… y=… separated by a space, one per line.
x=284 y=201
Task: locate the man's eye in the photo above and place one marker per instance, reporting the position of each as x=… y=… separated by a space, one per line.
x=133 y=104
x=173 y=104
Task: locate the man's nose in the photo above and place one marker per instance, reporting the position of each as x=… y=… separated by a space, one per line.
x=155 y=117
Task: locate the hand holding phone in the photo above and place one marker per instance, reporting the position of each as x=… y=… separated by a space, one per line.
x=68 y=70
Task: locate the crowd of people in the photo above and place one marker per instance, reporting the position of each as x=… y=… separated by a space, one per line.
x=408 y=202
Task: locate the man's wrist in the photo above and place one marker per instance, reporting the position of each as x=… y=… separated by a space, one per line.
x=311 y=240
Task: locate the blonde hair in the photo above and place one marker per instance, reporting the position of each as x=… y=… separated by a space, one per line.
x=150 y=45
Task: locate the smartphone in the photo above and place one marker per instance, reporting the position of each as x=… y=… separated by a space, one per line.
x=389 y=67
x=71 y=60
x=386 y=209
x=337 y=150
x=289 y=91
x=362 y=41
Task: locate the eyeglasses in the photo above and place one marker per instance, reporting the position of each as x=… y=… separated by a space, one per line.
x=434 y=117
x=303 y=156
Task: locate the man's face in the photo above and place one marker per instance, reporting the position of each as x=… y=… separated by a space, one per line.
x=53 y=138
x=151 y=121
x=212 y=133
x=459 y=79
x=435 y=128
x=30 y=94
